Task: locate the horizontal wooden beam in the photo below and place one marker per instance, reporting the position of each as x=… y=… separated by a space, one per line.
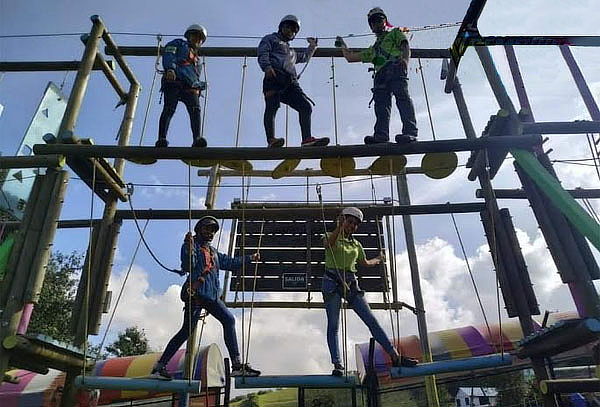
x=578 y=193
x=558 y=386
x=263 y=153
x=299 y=213
x=309 y=172
x=39 y=161
x=572 y=40
x=41 y=66
x=310 y=305
x=46 y=354
x=576 y=127
x=131 y=383
x=455 y=365
x=141 y=51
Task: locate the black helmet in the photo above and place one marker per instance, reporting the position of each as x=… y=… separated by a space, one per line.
x=206 y=221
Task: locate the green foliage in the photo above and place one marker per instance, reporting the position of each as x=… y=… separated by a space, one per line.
x=132 y=342
x=52 y=314
x=251 y=401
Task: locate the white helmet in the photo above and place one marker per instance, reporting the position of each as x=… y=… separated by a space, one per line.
x=197 y=28
x=375 y=11
x=290 y=18
x=353 y=211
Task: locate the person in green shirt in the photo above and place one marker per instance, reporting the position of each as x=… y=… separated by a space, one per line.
x=390 y=56
x=342 y=253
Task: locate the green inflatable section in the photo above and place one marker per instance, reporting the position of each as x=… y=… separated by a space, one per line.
x=5 y=249
x=559 y=197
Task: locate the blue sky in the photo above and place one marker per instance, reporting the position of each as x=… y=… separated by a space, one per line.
x=155 y=292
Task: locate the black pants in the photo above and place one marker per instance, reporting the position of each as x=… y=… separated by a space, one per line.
x=393 y=80
x=174 y=92
x=282 y=89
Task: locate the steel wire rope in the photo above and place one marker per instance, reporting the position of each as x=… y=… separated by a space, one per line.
x=594 y=151
x=249 y=37
x=464 y=253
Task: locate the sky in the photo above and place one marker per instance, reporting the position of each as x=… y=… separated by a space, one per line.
x=293 y=341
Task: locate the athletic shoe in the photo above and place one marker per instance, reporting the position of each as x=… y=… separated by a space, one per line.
x=338 y=369
x=244 y=370
x=375 y=140
x=161 y=142
x=199 y=142
x=160 y=373
x=405 y=362
x=315 y=142
x=276 y=142
x=405 y=138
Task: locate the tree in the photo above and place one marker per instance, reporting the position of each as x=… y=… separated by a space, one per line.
x=131 y=342
x=52 y=314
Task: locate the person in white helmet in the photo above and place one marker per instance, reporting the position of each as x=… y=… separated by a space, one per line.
x=181 y=83
x=390 y=56
x=201 y=291
x=280 y=85
x=342 y=253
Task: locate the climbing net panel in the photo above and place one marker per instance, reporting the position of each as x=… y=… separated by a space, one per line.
x=293 y=256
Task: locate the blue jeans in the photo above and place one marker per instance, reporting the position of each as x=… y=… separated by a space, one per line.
x=392 y=80
x=332 y=296
x=217 y=309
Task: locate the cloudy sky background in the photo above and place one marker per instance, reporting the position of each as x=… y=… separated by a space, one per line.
x=286 y=341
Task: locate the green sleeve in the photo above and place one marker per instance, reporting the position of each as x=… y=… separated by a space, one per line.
x=361 y=252
x=399 y=36
x=367 y=55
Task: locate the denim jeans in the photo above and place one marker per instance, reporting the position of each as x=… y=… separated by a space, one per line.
x=392 y=80
x=332 y=296
x=217 y=309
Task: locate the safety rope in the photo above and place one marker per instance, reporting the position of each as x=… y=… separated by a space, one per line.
x=191 y=247
x=466 y=258
x=156 y=72
x=426 y=99
x=141 y=233
x=393 y=249
x=340 y=278
x=380 y=244
x=86 y=318
x=243 y=280
x=262 y=225
x=121 y=290
x=239 y=118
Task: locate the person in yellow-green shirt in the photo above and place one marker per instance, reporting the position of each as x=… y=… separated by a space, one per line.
x=342 y=253
x=390 y=56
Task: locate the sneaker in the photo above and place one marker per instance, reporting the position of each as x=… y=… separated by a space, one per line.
x=276 y=142
x=338 y=369
x=405 y=138
x=199 y=142
x=375 y=140
x=160 y=373
x=244 y=370
x=315 y=142
x=161 y=142
x=405 y=362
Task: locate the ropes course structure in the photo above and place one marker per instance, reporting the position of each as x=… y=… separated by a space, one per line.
x=287 y=238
